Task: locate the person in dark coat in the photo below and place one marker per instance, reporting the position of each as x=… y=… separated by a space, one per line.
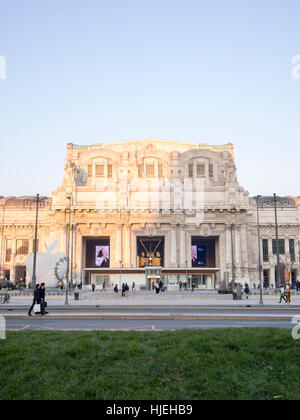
x=42 y=298
x=247 y=291
x=36 y=298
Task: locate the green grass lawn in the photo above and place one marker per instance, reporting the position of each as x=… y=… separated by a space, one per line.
x=217 y=364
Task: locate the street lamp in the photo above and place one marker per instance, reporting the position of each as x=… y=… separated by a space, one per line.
x=68 y=257
x=72 y=255
x=35 y=242
x=279 y=284
x=259 y=252
x=2 y=271
x=232 y=256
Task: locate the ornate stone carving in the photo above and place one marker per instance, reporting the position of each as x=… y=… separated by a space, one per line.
x=230 y=172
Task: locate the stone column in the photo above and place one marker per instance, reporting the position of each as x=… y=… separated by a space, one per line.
x=118 y=247
x=238 y=246
x=173 y=245
x=222 y=254
x=13 y=259
x=228 y=247
x=78 y=253
x=127 y=246
x=272 y=272
x=182 y=247
x=244 y=250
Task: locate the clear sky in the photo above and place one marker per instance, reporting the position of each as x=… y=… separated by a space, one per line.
x=106 y=70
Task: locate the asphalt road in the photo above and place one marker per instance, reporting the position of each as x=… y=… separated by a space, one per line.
x=135 y=325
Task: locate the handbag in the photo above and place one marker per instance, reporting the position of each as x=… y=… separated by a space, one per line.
x=37 y=309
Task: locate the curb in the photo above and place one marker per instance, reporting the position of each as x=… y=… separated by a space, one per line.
x=151 y=317
x=250 y=308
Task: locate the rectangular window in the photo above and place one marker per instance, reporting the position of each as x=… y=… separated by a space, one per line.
x=191 y=170
x=22 y=247
x=265 y=250
x=90 y=171
x=281 y=246
x=211 y=171
x=8 y=250
x=292 y=249
x=140 y=168
x=100 y=171
x=150 y=171
x=266 y=274
x=200 y=171
x=110 y=171
x=160 y=171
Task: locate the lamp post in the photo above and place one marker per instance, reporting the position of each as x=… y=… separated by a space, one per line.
x=68 y=257
x=2 y=272
x=35 y=242
x=232 y=256
x=259 y=252
x=72 y=254
x=279 y=284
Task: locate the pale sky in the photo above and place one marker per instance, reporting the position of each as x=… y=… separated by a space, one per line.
x=106 y=70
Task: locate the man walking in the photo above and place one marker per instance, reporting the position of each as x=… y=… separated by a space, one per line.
x=282 y=295
x=42 y=299
x=247 y=291
x=36 y=299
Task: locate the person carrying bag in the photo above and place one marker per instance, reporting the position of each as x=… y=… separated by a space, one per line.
x=36 y=304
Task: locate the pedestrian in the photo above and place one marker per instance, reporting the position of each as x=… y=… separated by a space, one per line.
x=157 y=287
x=126 y=290
x=153 y=286
x=103 y=286
x=282 y=295
x=180 y=286
x=36 y=299
x=123 y=290
x=116 y=290
x=42 y=299
x=298 y=286
x=93 y=287
x=62 y=286
x=133 y=288
x=247 y=291
x=161 y=286
x=193 y=286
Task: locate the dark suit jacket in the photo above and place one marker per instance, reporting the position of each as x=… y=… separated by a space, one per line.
x=37 y=298
x=42 y=294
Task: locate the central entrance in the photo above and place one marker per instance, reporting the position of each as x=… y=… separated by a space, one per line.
x=203 y=252
x=150 y=251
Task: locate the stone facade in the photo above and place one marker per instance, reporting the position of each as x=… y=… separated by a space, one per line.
x=180 y=194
